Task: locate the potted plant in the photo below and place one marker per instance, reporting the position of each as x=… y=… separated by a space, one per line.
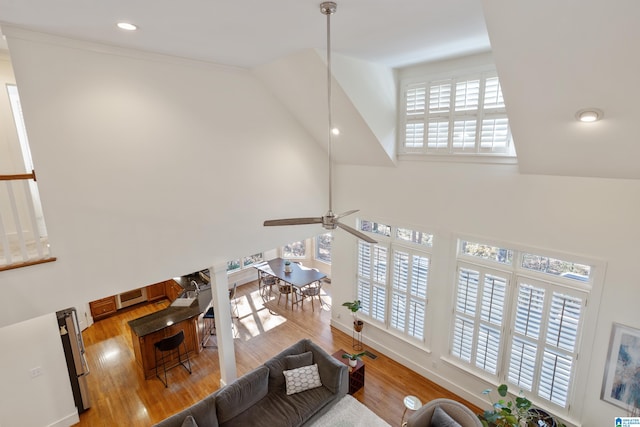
x=354 y=306
x=515 y=412
x=353 y=358
x=287 y=266
x=506 y=412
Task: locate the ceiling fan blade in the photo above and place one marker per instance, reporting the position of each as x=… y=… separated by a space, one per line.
x=356 y=233
x=347 y=213
x=293 y=221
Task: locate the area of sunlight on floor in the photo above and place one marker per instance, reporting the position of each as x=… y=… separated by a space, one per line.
x=253 y=317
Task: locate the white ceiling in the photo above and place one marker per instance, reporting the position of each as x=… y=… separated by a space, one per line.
x=248 y=33
x=553 y=56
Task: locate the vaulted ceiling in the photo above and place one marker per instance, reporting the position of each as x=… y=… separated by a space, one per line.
x=553 y=57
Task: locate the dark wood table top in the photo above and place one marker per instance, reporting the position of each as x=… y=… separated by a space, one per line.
x=300 y=276
x=154 y=322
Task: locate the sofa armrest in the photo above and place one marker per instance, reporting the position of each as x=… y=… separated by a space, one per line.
x=333 y=373
x=456 y=410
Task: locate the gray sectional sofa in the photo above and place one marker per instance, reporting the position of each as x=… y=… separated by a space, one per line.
x=260 y=396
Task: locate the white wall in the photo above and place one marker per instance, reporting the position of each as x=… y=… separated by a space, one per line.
x=44 y=400
x=149 y=167
x=594 y=218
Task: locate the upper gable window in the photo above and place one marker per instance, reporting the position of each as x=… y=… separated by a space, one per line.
x=463 y=115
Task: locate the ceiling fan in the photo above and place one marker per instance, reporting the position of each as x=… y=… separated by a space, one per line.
x=329 y=220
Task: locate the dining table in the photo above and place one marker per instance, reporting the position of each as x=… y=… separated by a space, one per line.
x=299 y=277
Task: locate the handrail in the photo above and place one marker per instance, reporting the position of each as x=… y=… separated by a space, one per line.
x=31 y=175
x=23 y=236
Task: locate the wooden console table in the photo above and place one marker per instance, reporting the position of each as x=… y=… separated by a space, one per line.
x=356 y=374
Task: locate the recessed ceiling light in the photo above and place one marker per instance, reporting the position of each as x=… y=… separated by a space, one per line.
x=335 y=131
x=589 y=115
x=127 y=26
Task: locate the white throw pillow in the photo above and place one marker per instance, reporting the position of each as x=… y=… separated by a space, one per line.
x=301 y=379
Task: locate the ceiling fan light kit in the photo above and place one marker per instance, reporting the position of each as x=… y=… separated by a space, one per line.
x=329 y=220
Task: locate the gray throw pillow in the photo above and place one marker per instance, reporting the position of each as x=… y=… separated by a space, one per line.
x=295 y=361
x=189 y=422
x=441 y=419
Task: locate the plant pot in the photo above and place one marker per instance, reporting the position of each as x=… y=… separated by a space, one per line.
x=353 y=362
x=540 y=418
x=358 y=325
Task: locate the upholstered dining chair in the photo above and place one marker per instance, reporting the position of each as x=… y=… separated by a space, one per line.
x=461 y=414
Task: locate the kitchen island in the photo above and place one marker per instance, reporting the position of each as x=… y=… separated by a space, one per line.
x=149 y=329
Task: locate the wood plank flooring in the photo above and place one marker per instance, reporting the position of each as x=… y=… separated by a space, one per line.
x=121 y=396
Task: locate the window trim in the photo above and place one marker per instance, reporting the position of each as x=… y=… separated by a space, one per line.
x=588 y=319
x=391 y=243
x=478 y=154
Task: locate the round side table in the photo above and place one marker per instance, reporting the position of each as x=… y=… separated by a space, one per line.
x=412 y=403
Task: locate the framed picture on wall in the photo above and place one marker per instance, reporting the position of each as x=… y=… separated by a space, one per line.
x=621 y=383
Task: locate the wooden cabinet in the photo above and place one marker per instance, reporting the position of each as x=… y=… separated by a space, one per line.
x=156 y=291
x=172 y=290
x=143 y=346
x=103 y=307
x=356 y=374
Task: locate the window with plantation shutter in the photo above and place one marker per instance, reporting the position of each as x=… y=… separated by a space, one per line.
x=409 y=293
x=545 y=340
x=479 y=314
x=393 y=278
x=462 y=115
x=372 y=278
x=517 y=318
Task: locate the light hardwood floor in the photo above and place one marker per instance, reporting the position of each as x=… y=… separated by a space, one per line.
x=121 y=396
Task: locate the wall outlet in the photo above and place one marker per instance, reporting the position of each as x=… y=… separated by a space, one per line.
x=35 y=372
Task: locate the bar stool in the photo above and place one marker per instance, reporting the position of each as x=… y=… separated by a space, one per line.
x=166 y=347
x=208 y=326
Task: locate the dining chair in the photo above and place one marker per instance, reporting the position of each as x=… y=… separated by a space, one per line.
x=286 y=290
x=233 y=304
x=266 y=285
x=312 y=290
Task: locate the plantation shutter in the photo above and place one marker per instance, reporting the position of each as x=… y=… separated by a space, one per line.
x=560 y=344
x=478 y=327
x=491 y=317
x=546 y=331
x=465 y=310
x=409 y=293
x=372 y=271
x=415 y=101
x=456 y=116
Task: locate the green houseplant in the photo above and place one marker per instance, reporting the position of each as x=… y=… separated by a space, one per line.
x=355 y=306
x=353 y=357
x=506 y=412
x=515 y=412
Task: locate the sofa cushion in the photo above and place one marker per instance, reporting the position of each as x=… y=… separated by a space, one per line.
x=294 y=361
x=203 y=413
x=301 y=379
x=278 y=409
x=189 y=422
x=241 y=394
x=278 y=363
x=441 y=419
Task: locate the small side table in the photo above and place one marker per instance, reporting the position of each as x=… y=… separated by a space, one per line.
x=356 y=374
x=412 y=403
